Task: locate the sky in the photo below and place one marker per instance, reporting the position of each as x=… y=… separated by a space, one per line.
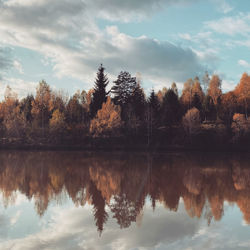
x=64 y=42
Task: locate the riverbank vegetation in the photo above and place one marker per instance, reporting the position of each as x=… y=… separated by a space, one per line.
x=121 y=114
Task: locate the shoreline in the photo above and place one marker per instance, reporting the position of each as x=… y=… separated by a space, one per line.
x=124 y=147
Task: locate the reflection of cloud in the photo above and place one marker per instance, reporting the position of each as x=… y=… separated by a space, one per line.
x=15 y=218
x=74 y=228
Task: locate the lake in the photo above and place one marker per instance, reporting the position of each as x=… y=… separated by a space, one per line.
x=114 y=200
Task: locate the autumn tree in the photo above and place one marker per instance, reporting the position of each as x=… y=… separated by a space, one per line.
x=57 y=122
x=186 y=97
x=107 y=121
x=10 y=112
x=214 y=89
x=240 y=126
x=196 y=102
x=205 y=82
x=41 y=110
x=161 y=94
x=76 y=110
x=209 y=108
x=228 y=107
x=197 y=91
x=58 y=101
x=242 y=92
x=191 y=121
x=100 y=94
x=26 y=107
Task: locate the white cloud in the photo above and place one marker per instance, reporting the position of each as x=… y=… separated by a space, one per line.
x=130 y=9
x=66 y=32
x=227 y=85
x=74 y=228
x=223 y=6
x=244 y=63
x=18 y=66
x=15 y=218
x=19 y=86
x=232 y=25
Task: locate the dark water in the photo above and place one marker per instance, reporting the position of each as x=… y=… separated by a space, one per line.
x=76 y=200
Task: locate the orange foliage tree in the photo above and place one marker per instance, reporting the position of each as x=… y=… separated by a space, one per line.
x=191 y=121
x=107 y=121
x=242 y=92
x=214 y=89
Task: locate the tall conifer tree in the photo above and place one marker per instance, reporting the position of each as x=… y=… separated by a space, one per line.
x=100 y=94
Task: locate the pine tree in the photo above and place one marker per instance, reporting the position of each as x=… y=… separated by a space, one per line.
x=154 y=108
x=170 y=108
x=100 y=94
x=138 y=102
x=123 y=88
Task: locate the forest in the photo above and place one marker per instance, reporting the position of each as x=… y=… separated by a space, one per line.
x=121 y=115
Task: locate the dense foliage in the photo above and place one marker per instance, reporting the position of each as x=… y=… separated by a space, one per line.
x=201 y=114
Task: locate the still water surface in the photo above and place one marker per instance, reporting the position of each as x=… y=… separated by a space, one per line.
x=77 y=200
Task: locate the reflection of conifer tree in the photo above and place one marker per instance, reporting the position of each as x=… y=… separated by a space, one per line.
x=124 y=211
x=98 y=202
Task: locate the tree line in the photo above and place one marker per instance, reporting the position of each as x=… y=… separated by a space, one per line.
x=201 y=112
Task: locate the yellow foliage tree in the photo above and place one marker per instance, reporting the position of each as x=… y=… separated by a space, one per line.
x=41 y=106
x=107 y=121
x=191 y=121
x=186 y=97
x=57 y=121
x=10 y=114
x=214 y=89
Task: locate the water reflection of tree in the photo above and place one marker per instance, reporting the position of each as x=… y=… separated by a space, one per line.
x=124 y=210
x=98 y=203
x=124 y=181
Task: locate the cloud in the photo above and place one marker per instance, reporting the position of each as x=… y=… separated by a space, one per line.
x=74 y=228
x=223 y=6
x=120 y=10
x=19 y=86
x=233 y=25
x=244 y=63
x=18 y=66
x=66 y=32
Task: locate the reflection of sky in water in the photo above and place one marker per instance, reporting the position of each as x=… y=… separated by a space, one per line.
x=66 y=226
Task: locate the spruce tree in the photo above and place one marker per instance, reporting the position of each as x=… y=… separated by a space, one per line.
x=138 y=102
x=100 y=94
x=170 y=108
x=154 y=106
x=123 y=88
